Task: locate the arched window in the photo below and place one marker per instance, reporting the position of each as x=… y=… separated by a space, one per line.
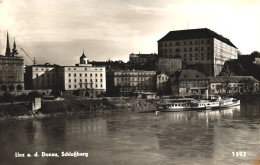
x=3 y=88
x=19 y=87
x=11 y=88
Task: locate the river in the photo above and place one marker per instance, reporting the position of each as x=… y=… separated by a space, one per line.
x=230 y=136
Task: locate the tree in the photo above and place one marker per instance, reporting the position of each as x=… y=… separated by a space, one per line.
x=255 y=54
x=8 y=97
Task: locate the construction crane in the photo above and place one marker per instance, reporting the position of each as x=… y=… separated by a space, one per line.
x=33 y=60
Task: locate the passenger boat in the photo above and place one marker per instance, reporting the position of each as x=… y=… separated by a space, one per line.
x=175 y=105
x=205 y=104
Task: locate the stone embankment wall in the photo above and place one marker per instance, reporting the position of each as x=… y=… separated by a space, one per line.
x=71 y=107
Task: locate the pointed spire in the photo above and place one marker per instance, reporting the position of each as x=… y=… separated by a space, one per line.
x=83 y=55
x=14 y=50
x=7 y=51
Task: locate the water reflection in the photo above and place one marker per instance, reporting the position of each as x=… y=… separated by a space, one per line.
x=205 y=137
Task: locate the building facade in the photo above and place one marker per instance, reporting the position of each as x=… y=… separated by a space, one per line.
x=163 y=84
x=233 y=84
x=11 y=70
x=168 y=65
x=202 y=49
x=41 y=77
x=189 y=83
x=126 y=82
x=83 y=77
x=142 y=58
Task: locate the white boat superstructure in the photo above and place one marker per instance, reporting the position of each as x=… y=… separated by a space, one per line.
x=193 y=104
x=176 y=104
x=228 y=102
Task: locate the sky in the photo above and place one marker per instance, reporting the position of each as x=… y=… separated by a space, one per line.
x=57 y=31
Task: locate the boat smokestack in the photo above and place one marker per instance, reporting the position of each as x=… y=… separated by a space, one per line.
x=207 y=94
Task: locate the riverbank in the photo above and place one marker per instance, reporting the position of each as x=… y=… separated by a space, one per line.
x=76 y=107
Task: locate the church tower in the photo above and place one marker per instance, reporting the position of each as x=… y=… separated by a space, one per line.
x=7 y=51
x=14 y=50
x=83 y=59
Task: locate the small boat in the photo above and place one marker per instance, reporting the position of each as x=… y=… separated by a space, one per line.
x=228 y=102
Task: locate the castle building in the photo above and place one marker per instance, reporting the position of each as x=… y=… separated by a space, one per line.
x=201 y=49
x=11 y=69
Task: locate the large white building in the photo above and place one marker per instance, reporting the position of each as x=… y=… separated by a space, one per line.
x=200 y=48
x=83 y=77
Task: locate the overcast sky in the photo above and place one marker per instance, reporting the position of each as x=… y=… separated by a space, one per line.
x=56 y=31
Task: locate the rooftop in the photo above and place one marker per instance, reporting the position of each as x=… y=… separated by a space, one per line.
x=191 y=75
x=233 y=79
x=195 y=34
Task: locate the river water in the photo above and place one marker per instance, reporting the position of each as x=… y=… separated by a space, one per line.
x=230 y=136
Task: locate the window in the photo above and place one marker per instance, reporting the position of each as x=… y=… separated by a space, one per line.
x=69 y=74
x=69 y=80
x=101 y=80
x=75 y=86
x=202 y=48
x=190 y=49
x=177 y=43
x=80 y=75
x=86 y=75
x=75 y=75
x=69 y=86
x=177 y=50
x=96 y=80
x=101 y=75
x=86 y=80
x=75 y=80
x=90 y=74
x=96 y=75
x=80 y=80
x=101 y=85
x=190 y=42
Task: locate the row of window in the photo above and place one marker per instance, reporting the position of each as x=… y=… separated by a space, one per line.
x=11 y=61
x=135 y=88
x=83 y=86
x=179 y=43
x=10 y=74
x=135 y=84
x=10 y=67
x=184 y=50
x=133 y=79
x=11 y=79
x=85 y=69
x=196 y=59
x=80 y=80
x=146 y=74
x=86 y=75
